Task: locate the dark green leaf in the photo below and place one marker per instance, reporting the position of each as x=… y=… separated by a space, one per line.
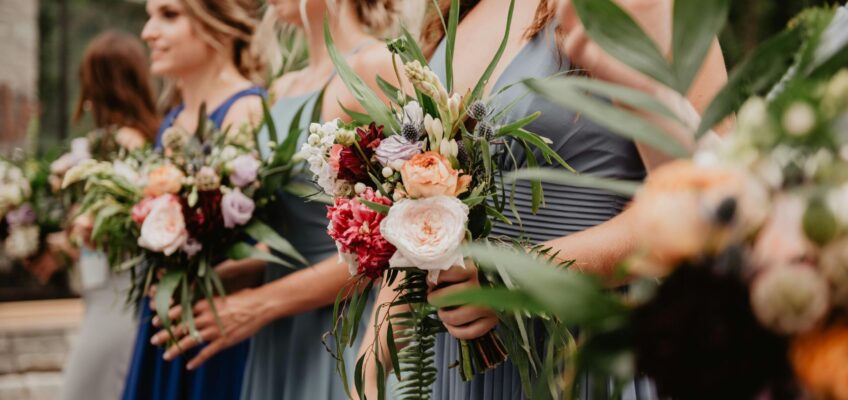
x=164 y=293
x=484 y=79
x=380 y=208
x=269 y=122
x=243 y=251
x=696 y=25
x=518 y=124
x=376 y=109
x=265 y=234
x=609 y=116
x=450 y=43
x=620 y=36
x=393 y=350
x=756 y=75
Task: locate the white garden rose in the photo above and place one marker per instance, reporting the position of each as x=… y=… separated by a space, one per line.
x=790 y=298
x=164 y=228
x=22 y=241
x=427 y=233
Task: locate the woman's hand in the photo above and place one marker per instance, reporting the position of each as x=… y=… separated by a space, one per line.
x=42 y=267
x=467 y=321
x=653 y=16
x=241 y=314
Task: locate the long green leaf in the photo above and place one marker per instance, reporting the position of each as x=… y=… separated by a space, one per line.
x=832 y=46
x=164 y=293
x=633 y=98
x=484 y=79
x=519 y=124
x=500 y=299
x=574 y=297
x=265 y=234
x=625 y=188
x=620 y=36
x=376 y=109
x=288 y=148
x=269 y=122
x=696 y=25
x=757 y=74
x=609 y=116
x=244 y=251
x=450 y=43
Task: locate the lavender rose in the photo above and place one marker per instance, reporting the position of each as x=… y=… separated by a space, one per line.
x=395 y=148
x=23 y=215
x=244 y=170
x=236 y=208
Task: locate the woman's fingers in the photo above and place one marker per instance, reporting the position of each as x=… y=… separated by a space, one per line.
x=207 y=352
x=475 y=329
x=174 y=314
x=463 y=315
x=189 y=342
x=441 y=291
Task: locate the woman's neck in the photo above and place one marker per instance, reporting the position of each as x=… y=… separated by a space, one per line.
x=346 y=30
x=211 y=83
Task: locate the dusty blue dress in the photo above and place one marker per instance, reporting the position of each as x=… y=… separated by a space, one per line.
x=287 y=358
x=152 y=378
x=585 y=146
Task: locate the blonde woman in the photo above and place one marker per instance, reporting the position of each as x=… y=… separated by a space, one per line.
x=290 y=313
x=204 y=48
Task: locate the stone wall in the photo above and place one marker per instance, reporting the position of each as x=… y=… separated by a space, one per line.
x=35 y=339
x=18 y=68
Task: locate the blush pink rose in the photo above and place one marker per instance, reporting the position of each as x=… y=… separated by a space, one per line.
x=164 y=229
x=141 y=209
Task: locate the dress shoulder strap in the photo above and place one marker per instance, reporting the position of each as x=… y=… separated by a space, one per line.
x=217 y=116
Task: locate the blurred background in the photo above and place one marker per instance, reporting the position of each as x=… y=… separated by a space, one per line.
x=42 y=42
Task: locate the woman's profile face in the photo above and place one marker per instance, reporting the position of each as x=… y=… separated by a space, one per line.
x=175 y=47
x=288 y=11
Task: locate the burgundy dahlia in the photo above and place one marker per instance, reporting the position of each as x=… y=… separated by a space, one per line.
x=352 y=166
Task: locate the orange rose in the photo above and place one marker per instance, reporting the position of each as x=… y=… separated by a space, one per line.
x=165 y=179
x=691 y=194
x=820 y=360
x=431 y=174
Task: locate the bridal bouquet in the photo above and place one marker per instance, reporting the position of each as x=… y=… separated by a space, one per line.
x=411 y=183
x=177 y=213
x=28 y=211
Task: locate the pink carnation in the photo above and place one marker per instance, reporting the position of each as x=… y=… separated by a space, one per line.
x=356 y=230
x=335 y=156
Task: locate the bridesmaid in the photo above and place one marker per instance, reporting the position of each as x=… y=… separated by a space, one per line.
x=290 y=313
x=117 y=91
x=204 y=48
x=581 y=223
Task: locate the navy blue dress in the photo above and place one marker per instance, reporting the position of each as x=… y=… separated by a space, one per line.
x=151 y=377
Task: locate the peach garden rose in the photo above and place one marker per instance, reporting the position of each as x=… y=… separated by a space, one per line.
x=162 y=180
x=431 y=174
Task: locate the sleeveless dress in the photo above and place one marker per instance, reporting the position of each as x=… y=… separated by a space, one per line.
x=587 y=148
x=97 y=366
x=153 y=378
x=287 y=357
